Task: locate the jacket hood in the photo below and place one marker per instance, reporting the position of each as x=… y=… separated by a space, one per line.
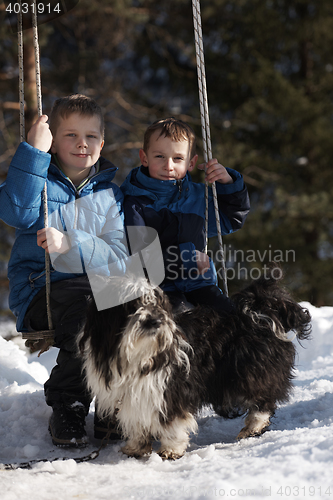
x=137 y=183
x=105 y=164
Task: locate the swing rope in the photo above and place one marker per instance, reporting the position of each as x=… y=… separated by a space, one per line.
x=45 y=208
x=21 y=73
x=45 y=334
x=207 y=147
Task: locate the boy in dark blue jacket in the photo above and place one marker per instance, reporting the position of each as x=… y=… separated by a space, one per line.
x=160 y=194
x=89 y=233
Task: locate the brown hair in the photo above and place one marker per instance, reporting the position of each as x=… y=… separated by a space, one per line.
x=75 y=103
x=177 y=130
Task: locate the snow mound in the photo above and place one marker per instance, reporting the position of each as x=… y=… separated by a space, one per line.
x=293 y=460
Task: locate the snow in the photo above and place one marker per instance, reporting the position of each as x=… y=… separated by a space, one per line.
x=292 y=460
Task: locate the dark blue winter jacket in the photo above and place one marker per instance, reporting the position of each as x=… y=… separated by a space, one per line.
x=176 y=210
x=91 y=216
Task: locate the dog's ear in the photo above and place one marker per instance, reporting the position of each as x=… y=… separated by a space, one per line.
x=103 y=327
x=103 y=331
x=296 y=318
x=89 y=325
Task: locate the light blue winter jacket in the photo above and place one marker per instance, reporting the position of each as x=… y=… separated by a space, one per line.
x=91 y=216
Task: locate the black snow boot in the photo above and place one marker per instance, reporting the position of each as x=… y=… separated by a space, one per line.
x=66 y=425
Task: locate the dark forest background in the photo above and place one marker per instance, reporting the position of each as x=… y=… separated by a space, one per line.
x=269 y=68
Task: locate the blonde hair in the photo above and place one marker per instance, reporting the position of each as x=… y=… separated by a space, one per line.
x=75 y=103
x=175 y=129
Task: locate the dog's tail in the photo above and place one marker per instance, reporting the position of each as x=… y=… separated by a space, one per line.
x=266 y=301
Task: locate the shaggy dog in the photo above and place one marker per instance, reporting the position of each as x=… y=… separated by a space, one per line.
x=154 y=370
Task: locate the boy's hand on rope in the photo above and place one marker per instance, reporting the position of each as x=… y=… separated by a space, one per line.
x=203 y=262
x=39 y=136
x=216 y=172
x=52 y=240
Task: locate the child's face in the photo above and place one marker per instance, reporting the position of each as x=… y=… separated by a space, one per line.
x=167 y=159
x=78 y=142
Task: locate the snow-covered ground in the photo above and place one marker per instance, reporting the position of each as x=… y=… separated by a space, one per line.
x=293 y=460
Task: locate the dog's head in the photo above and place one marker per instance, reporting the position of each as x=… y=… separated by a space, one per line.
x=141 y=331
x=266 y=298
x=149 y=325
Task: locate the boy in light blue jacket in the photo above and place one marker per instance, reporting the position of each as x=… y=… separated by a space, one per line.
x=80 y=237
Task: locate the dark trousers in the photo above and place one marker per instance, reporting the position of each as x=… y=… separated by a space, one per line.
x=209 y=295
x=69 y=300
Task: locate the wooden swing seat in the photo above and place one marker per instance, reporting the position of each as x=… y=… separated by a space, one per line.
x=41 y=335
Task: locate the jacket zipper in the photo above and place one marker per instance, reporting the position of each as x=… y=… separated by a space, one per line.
x=180 y=188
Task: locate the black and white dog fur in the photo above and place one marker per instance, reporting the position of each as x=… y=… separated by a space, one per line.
x=155 y=370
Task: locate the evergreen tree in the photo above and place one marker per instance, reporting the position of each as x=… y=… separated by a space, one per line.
x=269 y=78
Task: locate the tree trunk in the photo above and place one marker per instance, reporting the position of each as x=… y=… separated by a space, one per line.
x=30 y=88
